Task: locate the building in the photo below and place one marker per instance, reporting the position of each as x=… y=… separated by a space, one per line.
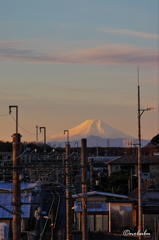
x=106 y=212
x=6 y=209
x=150 y=166
x=28 y=197
x=150 y=203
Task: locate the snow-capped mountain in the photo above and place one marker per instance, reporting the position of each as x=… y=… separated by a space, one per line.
x=96 y=132
x=91 y=127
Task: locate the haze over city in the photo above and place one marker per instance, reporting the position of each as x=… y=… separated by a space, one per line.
x=64 y=62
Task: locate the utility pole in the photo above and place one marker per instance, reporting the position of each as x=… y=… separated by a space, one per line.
x=84 y=188
x=16 y=188
x=140 y=112
x=68 y=195
x=16 y=181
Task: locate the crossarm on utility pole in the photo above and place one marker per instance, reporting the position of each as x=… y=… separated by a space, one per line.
x=11 y=212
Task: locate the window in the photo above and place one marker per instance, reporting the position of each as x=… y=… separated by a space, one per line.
x=101 y=223
x=90 y=222
x=117 y=167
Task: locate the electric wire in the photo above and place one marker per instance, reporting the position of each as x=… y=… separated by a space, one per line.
x=21 y=154
x=22 y=127
x=26 y=130
x=42 y=233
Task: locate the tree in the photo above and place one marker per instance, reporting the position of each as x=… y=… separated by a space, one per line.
x=117 y=182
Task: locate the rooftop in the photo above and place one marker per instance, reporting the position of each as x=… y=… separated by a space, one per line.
x=6 y=201
x=145 y=159
x=24 y=186
x=145 y=186
x=102 y=194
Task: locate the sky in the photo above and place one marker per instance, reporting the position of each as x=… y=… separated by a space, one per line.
x=64 y=62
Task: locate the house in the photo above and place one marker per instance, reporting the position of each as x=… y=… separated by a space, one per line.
x=6 y=208
x=150 y=165
x=106 y=212
x=150 y=203
x=29 y=195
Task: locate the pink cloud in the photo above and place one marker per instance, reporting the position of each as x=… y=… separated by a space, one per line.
x=129 y=32
x=103 y=55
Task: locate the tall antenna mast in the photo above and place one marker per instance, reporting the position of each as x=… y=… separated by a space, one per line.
x=139 y=164
x=140 y=112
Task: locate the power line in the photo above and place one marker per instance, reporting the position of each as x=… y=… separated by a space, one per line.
x=22 y=127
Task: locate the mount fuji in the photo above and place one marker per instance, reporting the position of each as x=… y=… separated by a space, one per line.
x=96 y=132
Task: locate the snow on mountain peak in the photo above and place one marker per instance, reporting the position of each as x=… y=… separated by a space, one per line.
x=91 y=127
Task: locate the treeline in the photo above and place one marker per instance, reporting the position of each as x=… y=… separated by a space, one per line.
x=7 y=146
x=91 y=151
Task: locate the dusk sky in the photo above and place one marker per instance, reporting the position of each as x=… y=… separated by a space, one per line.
x=64 y=62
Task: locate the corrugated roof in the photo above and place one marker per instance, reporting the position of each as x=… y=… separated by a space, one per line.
x=9 y=186
x=101 y=193
x=134 y=160
x=6 y=201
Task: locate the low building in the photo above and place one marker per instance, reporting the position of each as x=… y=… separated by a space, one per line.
x=150 y=203
x=25 y=187
x=29 y=195
x=150 y=165
x=106 y=212
x=6 y=207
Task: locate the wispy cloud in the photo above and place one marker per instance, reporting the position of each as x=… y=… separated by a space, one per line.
x=104 y=55
x=79 y=90
x=129 y=32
